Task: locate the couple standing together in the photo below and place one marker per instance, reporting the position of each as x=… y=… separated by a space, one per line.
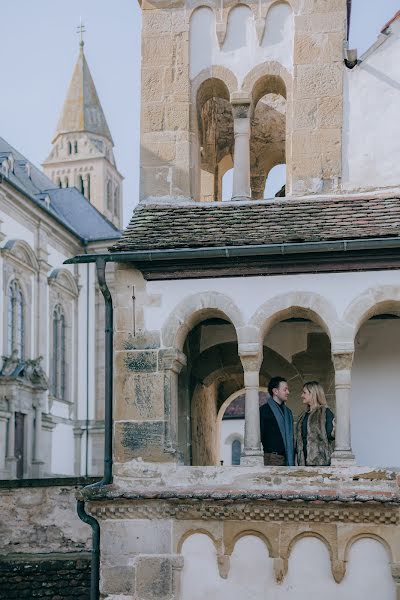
x=312 y=441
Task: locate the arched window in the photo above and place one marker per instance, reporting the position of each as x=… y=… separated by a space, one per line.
x=80 y=184
x=58 y=357
x=109 y=195
x=116 y=201
x=76 y=147
x=236 y=452
x=15 y=319
x=69 y=148
x=88 y=186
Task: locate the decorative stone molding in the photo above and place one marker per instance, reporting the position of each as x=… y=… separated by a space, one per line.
x=385 y=298
x=275 y=512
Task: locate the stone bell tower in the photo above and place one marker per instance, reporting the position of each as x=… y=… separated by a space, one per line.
x=243 y=86
x=82 y=155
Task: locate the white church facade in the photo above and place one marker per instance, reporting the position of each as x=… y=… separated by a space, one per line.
x=51 y=399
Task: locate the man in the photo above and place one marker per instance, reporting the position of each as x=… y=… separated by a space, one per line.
x=276 y=424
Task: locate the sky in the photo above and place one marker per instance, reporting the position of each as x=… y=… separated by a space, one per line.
x=40 y=47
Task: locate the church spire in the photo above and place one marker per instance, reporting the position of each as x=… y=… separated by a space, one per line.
x=82 y=111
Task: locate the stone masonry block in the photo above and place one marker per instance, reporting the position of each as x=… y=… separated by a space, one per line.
x=318 y=48
x=155 y=181
x=117 y=580
x=323 y=6
x=305 y=114
x=158 y=153
x=123 y=540
x=318 y=81
x=306 y=143
x=177 y=116
x=141 y=360
x=157 y=50
x=156 y=22
x=177 y=82
x=133 y=440
x=154 y=578
x=152 y=84
x=143 y=340
x=330 y=112
x=141 y=397
x=153 y=117
x=322 y=23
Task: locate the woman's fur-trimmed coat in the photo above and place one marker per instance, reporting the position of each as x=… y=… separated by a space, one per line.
x=319 y=448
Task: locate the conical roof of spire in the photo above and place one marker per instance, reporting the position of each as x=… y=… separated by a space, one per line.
x=82 y=110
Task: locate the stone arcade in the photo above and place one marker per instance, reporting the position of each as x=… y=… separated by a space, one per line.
x=212 y=298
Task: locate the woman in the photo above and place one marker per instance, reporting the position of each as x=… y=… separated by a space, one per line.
x=315 y=429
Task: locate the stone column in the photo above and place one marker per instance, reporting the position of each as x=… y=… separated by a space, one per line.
x=241 y=109
x=11 y=463
x=343 y=454
x=3 y=448
x=395 y=568
x=252 y=454
x=173 y=361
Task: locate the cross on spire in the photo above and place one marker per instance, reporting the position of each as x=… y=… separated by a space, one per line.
x=81 y=30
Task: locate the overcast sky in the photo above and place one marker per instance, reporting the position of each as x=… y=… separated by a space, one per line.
x=40 y=48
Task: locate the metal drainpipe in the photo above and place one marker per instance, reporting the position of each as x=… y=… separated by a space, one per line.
x=108 y=424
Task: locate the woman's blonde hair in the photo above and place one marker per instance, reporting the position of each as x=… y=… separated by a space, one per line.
x=317 y=394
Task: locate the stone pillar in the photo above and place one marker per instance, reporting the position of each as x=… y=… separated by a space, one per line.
x=3 y=448
x=37 y=462
x=395 y=568
x=241 y=125
x=11 y=463
x=252 y=454
x=343 y=454
x=173 y=361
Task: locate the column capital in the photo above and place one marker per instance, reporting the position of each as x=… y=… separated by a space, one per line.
x=342 y=361
x=241 y=105
x=172 y=359
x=251 y=361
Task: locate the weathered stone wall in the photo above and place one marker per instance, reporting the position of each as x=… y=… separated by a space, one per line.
x=44 y=547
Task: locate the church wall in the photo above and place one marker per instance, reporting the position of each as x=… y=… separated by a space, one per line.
x=231 y=429
x=52 y=244
x=371 y=133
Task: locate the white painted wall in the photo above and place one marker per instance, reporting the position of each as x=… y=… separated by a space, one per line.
x=62 y=462
x=375 y=402
x=371 y=133
x=251 y=575
x=248 y=294
x=241 y=50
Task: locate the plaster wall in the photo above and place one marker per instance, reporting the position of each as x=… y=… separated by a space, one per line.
x=62 y=460
x=339 y=289
x=375 y=398
x=241 y=49
x=371 y=129
x=251 y=572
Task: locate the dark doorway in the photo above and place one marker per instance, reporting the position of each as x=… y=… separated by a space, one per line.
x=19 y=443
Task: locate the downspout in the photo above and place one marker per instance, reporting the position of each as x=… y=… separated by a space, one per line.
x=108 y=429
x=87 y=369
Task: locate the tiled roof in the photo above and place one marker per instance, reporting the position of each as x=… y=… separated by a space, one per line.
x=67 y=205
x=195 y=225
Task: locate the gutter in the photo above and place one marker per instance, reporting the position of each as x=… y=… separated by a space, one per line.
x=108 y=429
x=144 y=256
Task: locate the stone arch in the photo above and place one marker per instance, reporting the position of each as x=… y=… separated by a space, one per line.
x=64 y=279
x=232 y=437
x=230 y=15
x=371 y=302
x=21 y=251
x=304 y=304
x=268 y=77
x=213 y=80
x=194 y=309
x=294 y=5
x=368 y=535
x=230 y=543
x=337 y=573
x=200 y=531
